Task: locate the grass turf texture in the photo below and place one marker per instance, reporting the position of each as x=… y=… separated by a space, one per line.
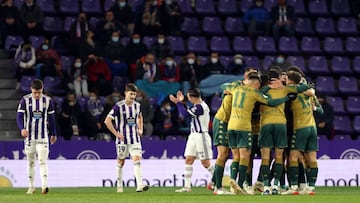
x=166 y=195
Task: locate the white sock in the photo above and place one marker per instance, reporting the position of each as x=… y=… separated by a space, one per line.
x=119 y=170
x=43 y=169
x=137 y=173
x=188 y=173
x=31 y=169
x=211 y=169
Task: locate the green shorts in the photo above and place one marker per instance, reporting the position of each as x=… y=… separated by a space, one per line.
x=305 y=140
x=220 y=135
x=273 y=135
x=240 y=139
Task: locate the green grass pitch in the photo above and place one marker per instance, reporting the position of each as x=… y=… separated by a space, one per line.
x=167 y=195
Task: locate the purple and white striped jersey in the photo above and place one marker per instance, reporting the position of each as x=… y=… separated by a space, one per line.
x=35 y=115
x=126 y=120
x=200 y=118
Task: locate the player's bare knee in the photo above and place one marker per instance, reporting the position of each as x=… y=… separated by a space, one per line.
x=206 y=163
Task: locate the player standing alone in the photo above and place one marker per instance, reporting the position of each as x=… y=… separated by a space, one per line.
x=35 y=112
x=125 y=121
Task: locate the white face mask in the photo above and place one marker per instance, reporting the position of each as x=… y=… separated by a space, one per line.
x=238 y=61
x=169 y=62
x=77 y=64
x=280 y=59
x=155 y=3
x=161 y=41
x=168 y=2
x=214 y=60
x=136 y=41
x=93 y=99
x=122 y=4
x=115 y=39
x=191 y=61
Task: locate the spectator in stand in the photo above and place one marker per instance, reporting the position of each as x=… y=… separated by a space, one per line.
x=237 y=66
x=115 y=56
x=89 y=46
x=147 y=69
x=48 y=61
x=9 y=21
x=104 y=28
x=169 y=70
x=78 y=33
x=70 y=118
x=165 y=120
x=99 y=75
x=32 y=18
x=171 y=17
x=25 y=60
x=94 y=124
x=147 y=112
x=134 y=51
x=214 y=66
x=161 y=48
x=124 y=15
x=257 y=19
x=110 y=101
x=78 y=75
x=281 y=62
x=324 y=121
x=284 y=19
x=191 y=72
x=148 y=18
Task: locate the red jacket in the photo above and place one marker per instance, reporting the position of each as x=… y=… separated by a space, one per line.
x=166 y=78
x=99 y=68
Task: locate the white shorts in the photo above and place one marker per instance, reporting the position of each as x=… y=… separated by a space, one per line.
x=199 y=145
x=123 y=150
x=37 y=146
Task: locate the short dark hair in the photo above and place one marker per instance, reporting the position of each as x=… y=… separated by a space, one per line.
x=194 y=92
x=254 y=76
x=295 y=77
x=131 y=87
x=296 y=69
x=250 y=68
x=37 y=84
x=274 y=73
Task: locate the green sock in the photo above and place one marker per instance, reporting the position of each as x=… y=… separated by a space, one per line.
x=234 y=170
x=278 y=168
x=219 y=173
x=265 y=170
x=301 y=178
x=242 y=174
x=294 y=173
x=312 y=176
x=249 y=179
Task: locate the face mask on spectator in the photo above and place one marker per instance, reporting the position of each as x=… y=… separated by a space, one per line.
x=136 y=41
x=238 y=61
x=169 y=63
x=191 y=61
x=161 y=41
x=45 y=47
x=168 y=2
x=139 y=99
x=115 y=39
x=168 y=108
x=77 y=64
x=155 y=3
x=280 y=59
x=214 y=60
x=115 y=98
x=122 y=4
x=71 y=103
x=29 y=4
x=92 y=98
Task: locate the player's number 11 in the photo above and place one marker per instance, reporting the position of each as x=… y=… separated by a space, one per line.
x=242 y=98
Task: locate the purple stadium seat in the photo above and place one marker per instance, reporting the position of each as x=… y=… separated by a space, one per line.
x=67 y=62
x=148 y=41
x=318 y=8
x=333 y=45
x=243 y=45
x=52 y=85
x=353 y=45
x=234 y=26
x=203 y=59
x=58 y=102
x=177 y=44
x=340 y=7
x=220 y=45
x=93 y=21
x=252 y=61
x=108 y=4
x=154 y=101
x=357 y=124
x=119 y=83
x=92 y=7
x=215 y=103
x=124 y=41
x=53 y=25
x=227 y=7
x=197 y=45
x=268 y=60
x=318 y=65
x=298 y=61
x=325 y=85
x=135 y=3
x=341 y=65
x=82 y=102
x=310 y=45
x=212 y=26
x=353 y=105
x=269 y=4
x=347 y=26
x=58 y=43
x=325 y=26
x=19 y=3
x=342 y=125
x=186 y=7
x=265 y=45
x=304 y=27
x=205 y=7
x=12 y=43
x=288 y=45
x=338 y=105
x=69 y=7
x=298 y=5
x=348 y=85
x=36 y=41
x=225 y=60
x=245 y=5
x=25 y=83
x=356 y=64
x=69 y=20
x=191 y=26
x=47 y=6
